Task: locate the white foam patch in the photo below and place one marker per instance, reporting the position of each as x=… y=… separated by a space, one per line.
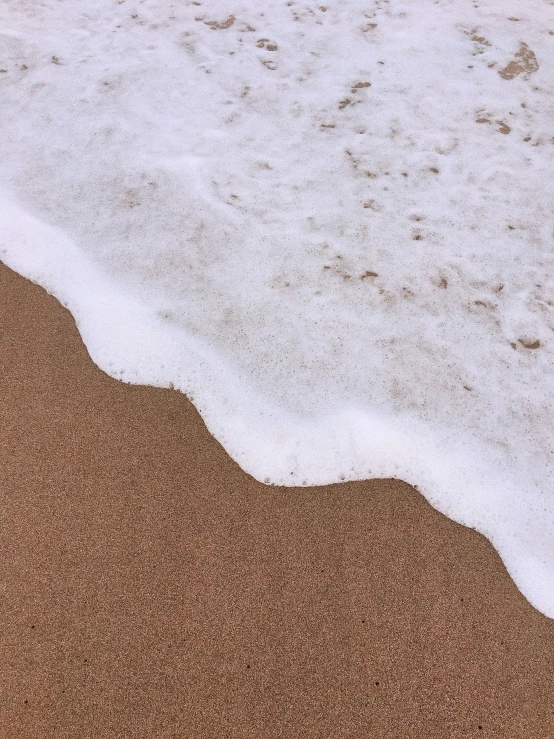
x=330 y=225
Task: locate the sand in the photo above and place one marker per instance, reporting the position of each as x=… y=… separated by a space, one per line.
x=150 y=588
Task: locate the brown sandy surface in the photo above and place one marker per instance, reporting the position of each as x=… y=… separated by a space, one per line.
x=150 y=588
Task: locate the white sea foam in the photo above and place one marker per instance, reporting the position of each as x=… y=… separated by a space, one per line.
x=330 y=225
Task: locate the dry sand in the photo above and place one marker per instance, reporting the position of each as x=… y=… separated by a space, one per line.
x=150 y=588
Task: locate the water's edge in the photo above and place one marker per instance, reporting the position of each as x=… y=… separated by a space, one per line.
x=128 y=342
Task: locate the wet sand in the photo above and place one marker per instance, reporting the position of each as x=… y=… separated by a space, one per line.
x=150 y=588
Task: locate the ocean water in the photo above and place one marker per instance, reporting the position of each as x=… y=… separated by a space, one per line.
x=330 y=225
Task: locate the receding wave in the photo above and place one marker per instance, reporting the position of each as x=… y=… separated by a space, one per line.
x=331 y=226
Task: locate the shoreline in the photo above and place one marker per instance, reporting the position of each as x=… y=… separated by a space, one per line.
x=152 y=588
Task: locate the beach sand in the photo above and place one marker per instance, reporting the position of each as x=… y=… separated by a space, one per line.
x=150 y=588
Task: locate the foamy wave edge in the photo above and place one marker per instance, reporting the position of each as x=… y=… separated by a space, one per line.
x=128 y=341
